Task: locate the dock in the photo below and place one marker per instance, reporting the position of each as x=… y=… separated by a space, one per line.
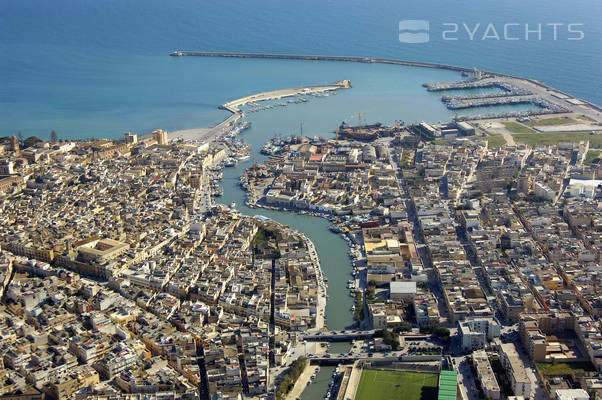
x=234 y=105
x=459 y=104
x=456 y=85
x=514 y=91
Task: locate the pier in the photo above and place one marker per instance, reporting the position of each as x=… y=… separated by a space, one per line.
x=208 y=134
x=480 y=84
x=234 y=105
x=459 y=104
x=515 y=92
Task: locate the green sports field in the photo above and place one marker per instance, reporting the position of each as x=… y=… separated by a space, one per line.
x=396 y=385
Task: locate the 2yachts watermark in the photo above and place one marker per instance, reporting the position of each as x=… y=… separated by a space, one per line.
x=418 y=31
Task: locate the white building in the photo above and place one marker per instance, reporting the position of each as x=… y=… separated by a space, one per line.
x=485 y=374
x=7 y=168
x=131 y=138
x=517 y=371
x=475 y=333
x=583 y=187
x=378 y=316
x=402 y=290
x=543 y=191
x=571 y=394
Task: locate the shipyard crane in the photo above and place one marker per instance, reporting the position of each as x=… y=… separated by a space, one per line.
x=359 y=117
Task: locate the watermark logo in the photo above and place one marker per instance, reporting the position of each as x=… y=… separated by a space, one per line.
x=418 y=31
x=414 y=31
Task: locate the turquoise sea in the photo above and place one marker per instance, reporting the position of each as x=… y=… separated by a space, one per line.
x=98 y=68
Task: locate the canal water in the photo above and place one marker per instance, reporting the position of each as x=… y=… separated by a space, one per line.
x=401 y=97
x=335 y=263
x=331 y=248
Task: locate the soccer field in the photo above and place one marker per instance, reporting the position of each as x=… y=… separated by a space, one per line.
x=396 y=385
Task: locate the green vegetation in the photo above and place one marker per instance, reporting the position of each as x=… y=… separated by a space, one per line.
x=564 y=368
x=515 y=127
x=407 y=159
x=414 y=179
x=31 y=141
x=439 y=331
x=421 y=351
x=291 y=377
x=261 y=242
x=260 y=237
x=501 y=375
x=394 y=385
x=391 y=339
x=495 y=141
x=358 y=316
x=548 y=139
x=404 y=328
x=552 y=121
x=592 y=157
x=371 y=294
x=422 y=133
x=442 y=142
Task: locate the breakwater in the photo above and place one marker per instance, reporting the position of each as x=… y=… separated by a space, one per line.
x=180 y=53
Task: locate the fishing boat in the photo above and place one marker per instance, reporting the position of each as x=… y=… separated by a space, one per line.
x=335 y=229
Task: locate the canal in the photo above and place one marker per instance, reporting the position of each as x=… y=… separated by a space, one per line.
x=332 y=250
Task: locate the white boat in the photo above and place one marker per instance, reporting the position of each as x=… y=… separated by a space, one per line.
x=233 y=204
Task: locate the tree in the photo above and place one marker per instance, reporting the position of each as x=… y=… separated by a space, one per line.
x=390 y=339
x=53 y=136
x=31 y=141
